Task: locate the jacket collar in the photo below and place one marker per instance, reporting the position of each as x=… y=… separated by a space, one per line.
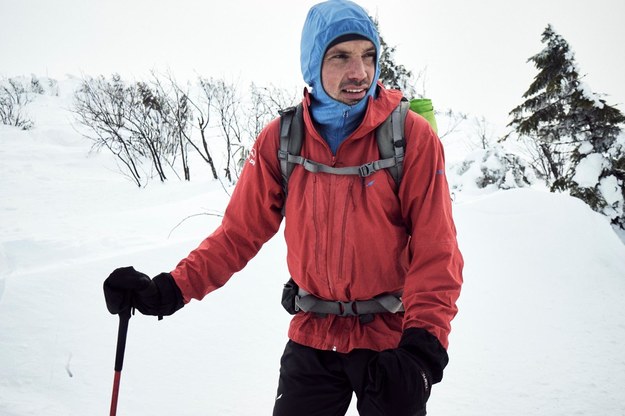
x=376 y=112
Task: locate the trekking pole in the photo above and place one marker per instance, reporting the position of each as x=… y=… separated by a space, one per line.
x=124 y=317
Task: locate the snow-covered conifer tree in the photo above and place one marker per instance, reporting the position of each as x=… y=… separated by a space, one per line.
x=574 y=130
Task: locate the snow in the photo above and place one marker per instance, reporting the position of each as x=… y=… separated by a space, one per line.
x=540 y=329
x=591 y=96
x=588 y=170
x=585 y=147
x=610 y=190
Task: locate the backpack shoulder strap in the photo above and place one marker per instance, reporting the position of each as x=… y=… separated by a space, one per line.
x=291 y=137
x=391 y=141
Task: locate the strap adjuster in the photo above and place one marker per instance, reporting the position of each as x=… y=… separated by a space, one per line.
x=283 y=154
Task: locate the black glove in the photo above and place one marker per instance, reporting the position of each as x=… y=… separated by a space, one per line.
x=400 y=379
x=127 y=288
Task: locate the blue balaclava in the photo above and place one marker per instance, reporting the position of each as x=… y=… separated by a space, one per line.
x=325 y=23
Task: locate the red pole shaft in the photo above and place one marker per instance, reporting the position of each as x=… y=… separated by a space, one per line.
x=115 y=392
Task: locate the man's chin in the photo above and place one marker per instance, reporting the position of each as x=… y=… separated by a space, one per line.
x=351 y=101
x=353 y=98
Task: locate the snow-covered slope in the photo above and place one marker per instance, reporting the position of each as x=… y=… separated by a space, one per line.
x=540 y=329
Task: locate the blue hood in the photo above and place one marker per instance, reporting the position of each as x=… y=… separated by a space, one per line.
x=326 y=22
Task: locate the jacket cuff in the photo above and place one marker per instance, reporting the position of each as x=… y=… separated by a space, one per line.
x=428 y=349
x=170 y=295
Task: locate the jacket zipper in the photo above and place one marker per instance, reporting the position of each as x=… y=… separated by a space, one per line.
x=329 y=245
x=316 y=226
x=344 y=122
x=343 y=230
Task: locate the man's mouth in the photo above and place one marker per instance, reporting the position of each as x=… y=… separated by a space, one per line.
x=354 y=94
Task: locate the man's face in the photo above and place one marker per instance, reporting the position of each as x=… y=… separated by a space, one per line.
x=348 y=69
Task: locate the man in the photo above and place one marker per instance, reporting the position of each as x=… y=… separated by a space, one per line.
x=348 y=239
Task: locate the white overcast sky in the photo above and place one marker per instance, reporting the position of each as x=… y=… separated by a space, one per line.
x=475 y=52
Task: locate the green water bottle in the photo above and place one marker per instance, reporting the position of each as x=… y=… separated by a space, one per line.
x=423 y=106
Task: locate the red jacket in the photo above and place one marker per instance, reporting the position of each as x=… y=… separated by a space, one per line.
x=348 y=238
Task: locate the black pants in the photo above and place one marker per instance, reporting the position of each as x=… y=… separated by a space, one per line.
x=321 y=383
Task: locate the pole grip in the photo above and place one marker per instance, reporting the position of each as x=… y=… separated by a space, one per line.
x=124 y=317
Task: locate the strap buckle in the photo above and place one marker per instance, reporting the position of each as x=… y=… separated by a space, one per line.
x=347 y=308
x=366 y=169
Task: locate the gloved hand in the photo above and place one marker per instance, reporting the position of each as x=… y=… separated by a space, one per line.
x=127 y=288
x=400 y=379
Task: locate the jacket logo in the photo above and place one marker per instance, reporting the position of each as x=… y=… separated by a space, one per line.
x=251 y=158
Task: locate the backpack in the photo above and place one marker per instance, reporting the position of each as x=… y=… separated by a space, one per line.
x=389 y=136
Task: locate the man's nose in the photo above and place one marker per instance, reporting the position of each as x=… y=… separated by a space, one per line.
x=357 y=69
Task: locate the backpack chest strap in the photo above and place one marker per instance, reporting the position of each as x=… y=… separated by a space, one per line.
x=362 y=170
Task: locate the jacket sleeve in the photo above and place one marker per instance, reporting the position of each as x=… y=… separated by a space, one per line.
x=252 y=217
x=434 y=278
